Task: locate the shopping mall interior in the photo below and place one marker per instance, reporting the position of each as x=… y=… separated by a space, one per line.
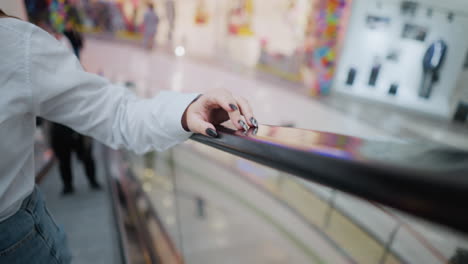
x=361 y=155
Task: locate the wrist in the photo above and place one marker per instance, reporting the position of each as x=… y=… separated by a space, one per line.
x=184 y=116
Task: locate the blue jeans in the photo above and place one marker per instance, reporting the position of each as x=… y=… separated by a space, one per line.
x=32 y=236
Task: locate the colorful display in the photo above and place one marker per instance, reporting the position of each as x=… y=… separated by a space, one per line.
x=201 y=14
x=240 y=18
x=325 y=27
x=58 y=15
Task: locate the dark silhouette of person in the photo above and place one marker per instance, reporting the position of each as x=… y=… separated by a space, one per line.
x=75 y=38
x=460 y=257
x=64 y=142
x=72 y=29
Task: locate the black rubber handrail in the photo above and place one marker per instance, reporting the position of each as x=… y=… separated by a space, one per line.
x=423 y=179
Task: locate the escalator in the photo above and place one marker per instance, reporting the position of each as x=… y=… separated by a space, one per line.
x=286 y=195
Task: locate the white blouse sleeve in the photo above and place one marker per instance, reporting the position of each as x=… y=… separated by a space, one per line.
x=64 y=93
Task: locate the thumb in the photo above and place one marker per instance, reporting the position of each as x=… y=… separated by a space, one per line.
x=200 y=126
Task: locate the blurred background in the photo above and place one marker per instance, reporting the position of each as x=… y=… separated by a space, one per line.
x=384 y=52
x=387 y=70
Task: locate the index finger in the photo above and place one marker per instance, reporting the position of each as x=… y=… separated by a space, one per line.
x=246 y=111
x=226 y=101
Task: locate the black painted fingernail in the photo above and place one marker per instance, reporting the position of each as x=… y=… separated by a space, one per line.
x=211 y=132
x=254 y=132
x=244 y=125
x=254 y=122
x=233 y=107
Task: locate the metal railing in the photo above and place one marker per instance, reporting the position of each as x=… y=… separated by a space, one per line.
x=422 y=179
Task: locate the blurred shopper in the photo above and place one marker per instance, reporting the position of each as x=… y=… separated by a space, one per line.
x=150 y=27
x=64 y=142
x=170 y=15
x=73 y=26
x=37 y=10
x=40 y=77
x=75 y=38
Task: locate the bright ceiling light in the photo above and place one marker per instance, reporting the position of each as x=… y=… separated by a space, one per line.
x=179 y=51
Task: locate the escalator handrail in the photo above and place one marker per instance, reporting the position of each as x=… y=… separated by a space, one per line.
x=438 y=195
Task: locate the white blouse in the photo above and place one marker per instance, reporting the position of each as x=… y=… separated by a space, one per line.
x=40 y=77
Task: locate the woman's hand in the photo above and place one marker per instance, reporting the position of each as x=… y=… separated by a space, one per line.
x=216 y=107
